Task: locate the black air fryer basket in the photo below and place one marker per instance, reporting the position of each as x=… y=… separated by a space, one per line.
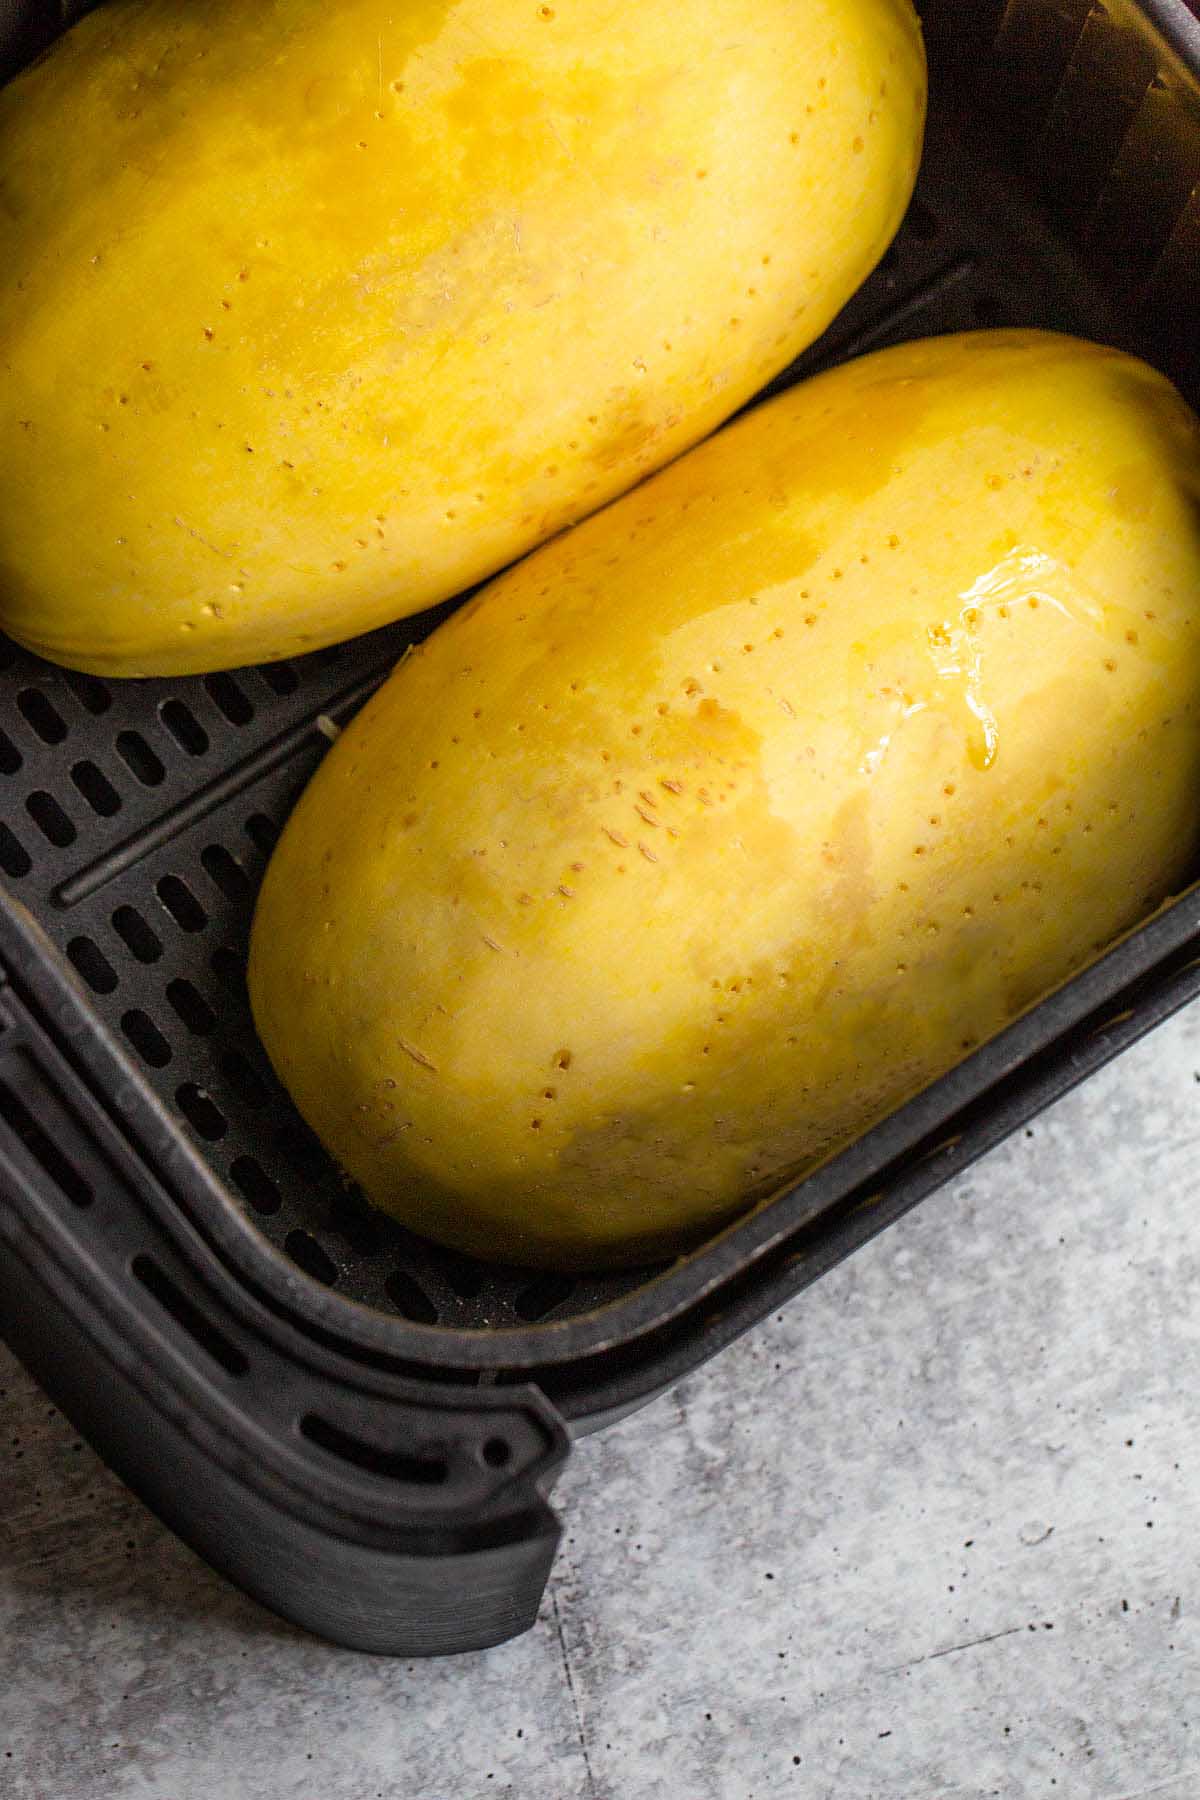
x=361 y=1429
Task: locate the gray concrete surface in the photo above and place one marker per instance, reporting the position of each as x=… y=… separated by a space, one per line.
x=930 y=1534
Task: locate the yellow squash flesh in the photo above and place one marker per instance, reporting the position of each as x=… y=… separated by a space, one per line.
x=727 y=821
x=313 y=314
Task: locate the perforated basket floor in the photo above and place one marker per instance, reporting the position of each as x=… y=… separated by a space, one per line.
x=136 y=818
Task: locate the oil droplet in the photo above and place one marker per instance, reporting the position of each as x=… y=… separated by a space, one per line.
x=874 y=757
x=957 y=653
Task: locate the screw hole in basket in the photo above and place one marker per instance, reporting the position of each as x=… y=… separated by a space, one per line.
x=497 y=1453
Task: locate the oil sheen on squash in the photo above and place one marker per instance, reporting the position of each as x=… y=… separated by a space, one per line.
x=313 y=314
x=724 y=823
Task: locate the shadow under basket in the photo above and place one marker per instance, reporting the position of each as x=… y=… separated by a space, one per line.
x=360 y=1429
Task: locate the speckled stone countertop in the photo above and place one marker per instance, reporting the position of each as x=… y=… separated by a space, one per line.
x=929 y=1534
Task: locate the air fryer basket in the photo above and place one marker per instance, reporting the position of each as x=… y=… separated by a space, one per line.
x=337 y=1407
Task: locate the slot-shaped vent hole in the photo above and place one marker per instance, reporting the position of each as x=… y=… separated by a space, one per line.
x=353 y=1217
x=14 y=858
x=141 y=761
x=96 y=789
x=305 y=1250
x=225 y=872
x=50 y=819
x=302 y=1147
x=542 y=1296
x=244 y=1078
x=990 y=310
x=136 y=935
x=186 y=1313
x=181 y=903
x=201 y=1112
x=922 y=223
x=229 y=969
x=255 y=1185
x=229 y=699
x=409 y=1298
x=280 y=677
x=262 y=832
x=462 y=1276
x=146 y=1038
x=89 y=959
x=189 y=1004
x=10 y=756
x=41 y=1146
x=183 y=725
x=425 y=1468
x=89 y=690
x=41 y=715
